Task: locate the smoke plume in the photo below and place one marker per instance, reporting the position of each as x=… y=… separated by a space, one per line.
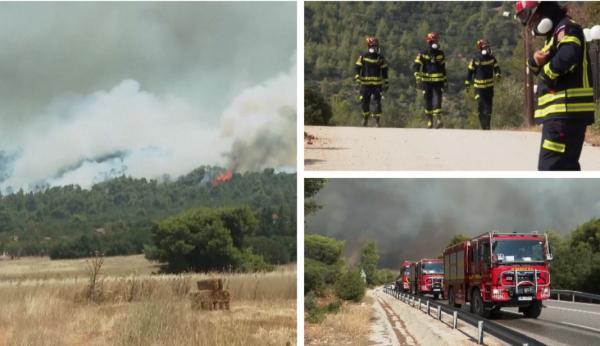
x=97 y=90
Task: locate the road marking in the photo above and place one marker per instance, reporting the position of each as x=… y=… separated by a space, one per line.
x=580 y=326
x=576 y=310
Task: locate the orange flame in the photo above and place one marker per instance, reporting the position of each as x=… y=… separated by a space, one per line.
x=223 y=177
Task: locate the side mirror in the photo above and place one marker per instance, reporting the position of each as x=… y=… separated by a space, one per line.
x=549 y=257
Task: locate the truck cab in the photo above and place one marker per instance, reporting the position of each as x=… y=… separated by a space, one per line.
x=498 y=270
x=427 y=277
x=403 y=279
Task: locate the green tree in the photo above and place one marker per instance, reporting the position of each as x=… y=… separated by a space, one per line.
x=458 y=238
x=369 y=257
x=323 y=249
x=316 y=109
x=200 y=240
x=311 y=187
x=350 y=286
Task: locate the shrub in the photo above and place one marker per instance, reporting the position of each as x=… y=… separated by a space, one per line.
x=350 y=286
x=323 y=249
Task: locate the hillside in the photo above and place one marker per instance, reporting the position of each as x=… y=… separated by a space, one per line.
x=116 y=216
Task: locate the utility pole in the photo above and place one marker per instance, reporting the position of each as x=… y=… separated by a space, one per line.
x=528 y=79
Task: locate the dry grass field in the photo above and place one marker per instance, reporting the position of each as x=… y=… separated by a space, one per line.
x=350 y=326
x=43 y=302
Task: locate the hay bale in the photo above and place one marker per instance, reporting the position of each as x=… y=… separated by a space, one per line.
x=202 y=300
x=210 y=300
x=210 y=284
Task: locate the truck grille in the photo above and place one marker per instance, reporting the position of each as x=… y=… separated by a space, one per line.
x=436 y=282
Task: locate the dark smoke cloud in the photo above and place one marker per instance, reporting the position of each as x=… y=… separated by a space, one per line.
x=416 y=218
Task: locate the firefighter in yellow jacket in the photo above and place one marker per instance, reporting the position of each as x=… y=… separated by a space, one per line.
x=565 y=101
x=482 y=70
x=371 y=75
x=430 y=75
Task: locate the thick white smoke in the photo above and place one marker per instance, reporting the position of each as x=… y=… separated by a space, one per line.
x=261 y=121
x=126 y=130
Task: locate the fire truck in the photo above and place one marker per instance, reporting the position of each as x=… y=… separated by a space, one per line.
x=402 y=281
x=496 y=270
x=426 y=277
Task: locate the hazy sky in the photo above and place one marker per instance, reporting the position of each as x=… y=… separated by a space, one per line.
x=415 y=218
x=90 y=90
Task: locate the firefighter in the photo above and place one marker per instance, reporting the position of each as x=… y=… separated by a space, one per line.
x=430 y=75
x=565 y=102
x=482 y=70
x=372 y=78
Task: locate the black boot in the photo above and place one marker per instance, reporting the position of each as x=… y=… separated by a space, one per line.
x=438 y=122
x=365 y=121
x=376 y=121
x=429 y=121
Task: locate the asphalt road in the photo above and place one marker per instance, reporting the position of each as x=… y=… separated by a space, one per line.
x=561 y=323
x=380 y=149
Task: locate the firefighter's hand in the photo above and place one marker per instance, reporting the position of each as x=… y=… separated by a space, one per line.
x=444 y=86
x=498 y=76
x=385 y=87
x=467 y=86
x=541 y=57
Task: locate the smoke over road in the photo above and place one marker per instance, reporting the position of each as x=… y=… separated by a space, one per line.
x=416 y=218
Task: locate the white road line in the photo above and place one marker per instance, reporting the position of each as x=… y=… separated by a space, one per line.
x=576 y=310
x=580 y=326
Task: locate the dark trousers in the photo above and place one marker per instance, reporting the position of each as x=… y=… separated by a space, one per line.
x=485 y=97
x=433 y=98
x=368 y=92
x=561 y=145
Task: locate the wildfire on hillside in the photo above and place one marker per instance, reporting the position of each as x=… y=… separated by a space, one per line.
x=222 y=177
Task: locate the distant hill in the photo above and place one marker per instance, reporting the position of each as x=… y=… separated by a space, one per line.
x=116 y=216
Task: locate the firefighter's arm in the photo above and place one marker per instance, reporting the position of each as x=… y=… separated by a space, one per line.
x=357 y=68
x=566 y=58
x=417 y=66
x=497 y=73
x=470 y=73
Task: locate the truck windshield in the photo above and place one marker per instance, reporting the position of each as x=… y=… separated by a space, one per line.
x=518 y=250
x=433 y=268
x=406 y=270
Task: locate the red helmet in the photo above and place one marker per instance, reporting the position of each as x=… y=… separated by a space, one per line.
x=372 y=41
x=525 y=10
x=483 y=43
x=432 y=37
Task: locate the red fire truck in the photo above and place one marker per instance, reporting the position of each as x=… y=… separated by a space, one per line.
x=403 y=280
x=496 y=270
x=426 y=277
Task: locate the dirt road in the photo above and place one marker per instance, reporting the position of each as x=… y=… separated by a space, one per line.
x=396 y=323
x=357 y=148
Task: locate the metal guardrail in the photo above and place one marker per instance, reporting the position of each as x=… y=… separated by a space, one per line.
x=575 y=294
x=483 y=325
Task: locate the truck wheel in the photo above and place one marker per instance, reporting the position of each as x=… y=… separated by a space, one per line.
x=477 y=305
x=533 y=310
x=451 y=300
x=436 y=296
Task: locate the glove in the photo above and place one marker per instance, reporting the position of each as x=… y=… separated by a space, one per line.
x=498 y=76
x=445 y=86
x=467 y=86
x=357 y=80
